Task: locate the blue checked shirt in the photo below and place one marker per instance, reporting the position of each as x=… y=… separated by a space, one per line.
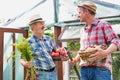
x=42 y=50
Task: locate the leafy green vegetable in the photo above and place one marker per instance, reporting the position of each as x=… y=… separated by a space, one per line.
x=25 y=49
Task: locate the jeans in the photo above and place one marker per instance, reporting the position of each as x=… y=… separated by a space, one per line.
x=94 y=73
x=44 y=75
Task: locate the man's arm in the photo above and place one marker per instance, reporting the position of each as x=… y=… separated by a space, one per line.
x=111 y=48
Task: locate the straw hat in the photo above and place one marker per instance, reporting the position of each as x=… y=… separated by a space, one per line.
x=35 y=18
x=89 y=5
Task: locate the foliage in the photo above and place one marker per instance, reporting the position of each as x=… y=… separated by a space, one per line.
x=116 y=66
x=72 y=71
x=49 y=31
x=73 y=45
x=50 y=34
x=25 y=49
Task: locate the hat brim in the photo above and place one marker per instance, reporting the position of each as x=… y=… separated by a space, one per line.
x=36 y=21
x=81 y=6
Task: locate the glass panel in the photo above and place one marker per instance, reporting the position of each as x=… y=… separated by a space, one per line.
x=71 y=32
x=7 y=64
x=19 y=68
x=68 y=9
x=103 y=11
x=21 y=17
x=116 y=28
x=113 y=1
x=8 y=61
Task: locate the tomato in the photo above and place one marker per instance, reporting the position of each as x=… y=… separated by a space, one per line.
x=63 y=53
x=57 y=54
x=53 y=54
x=58 y=50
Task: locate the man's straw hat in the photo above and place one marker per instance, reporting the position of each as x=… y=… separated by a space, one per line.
x=89 y=5
x=35 y=18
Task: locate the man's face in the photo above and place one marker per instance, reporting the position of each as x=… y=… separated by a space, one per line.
x=82 y=14
x=38 y=27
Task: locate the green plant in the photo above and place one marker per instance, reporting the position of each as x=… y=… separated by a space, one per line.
x=73 y=45
x=25 y=51
x=116 y=66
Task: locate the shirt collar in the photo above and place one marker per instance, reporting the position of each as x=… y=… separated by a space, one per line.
x=94 y=23
x=37 y=39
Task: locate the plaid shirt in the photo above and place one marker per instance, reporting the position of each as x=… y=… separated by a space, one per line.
x=100 y=33
x=41 y=50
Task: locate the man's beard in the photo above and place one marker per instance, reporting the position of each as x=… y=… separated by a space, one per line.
x=40 y=32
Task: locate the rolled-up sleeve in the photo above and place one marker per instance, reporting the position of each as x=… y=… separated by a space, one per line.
x=117 y=42
x=111 y=36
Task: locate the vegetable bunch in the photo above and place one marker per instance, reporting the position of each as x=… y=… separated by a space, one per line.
x=25 y=49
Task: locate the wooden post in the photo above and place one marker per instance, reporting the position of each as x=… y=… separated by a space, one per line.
x=59 y=65
x=1 y=54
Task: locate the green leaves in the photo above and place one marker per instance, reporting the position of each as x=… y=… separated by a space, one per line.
x=24 y=48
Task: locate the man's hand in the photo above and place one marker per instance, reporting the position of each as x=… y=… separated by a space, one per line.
x=93 y=53
x=72 y=63
x=64 y=58
x=27 y=64
x=100 y=54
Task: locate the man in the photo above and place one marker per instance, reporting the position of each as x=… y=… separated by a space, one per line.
x=42 y=47
x=95 y=32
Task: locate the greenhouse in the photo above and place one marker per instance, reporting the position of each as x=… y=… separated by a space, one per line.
x=62 y=24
